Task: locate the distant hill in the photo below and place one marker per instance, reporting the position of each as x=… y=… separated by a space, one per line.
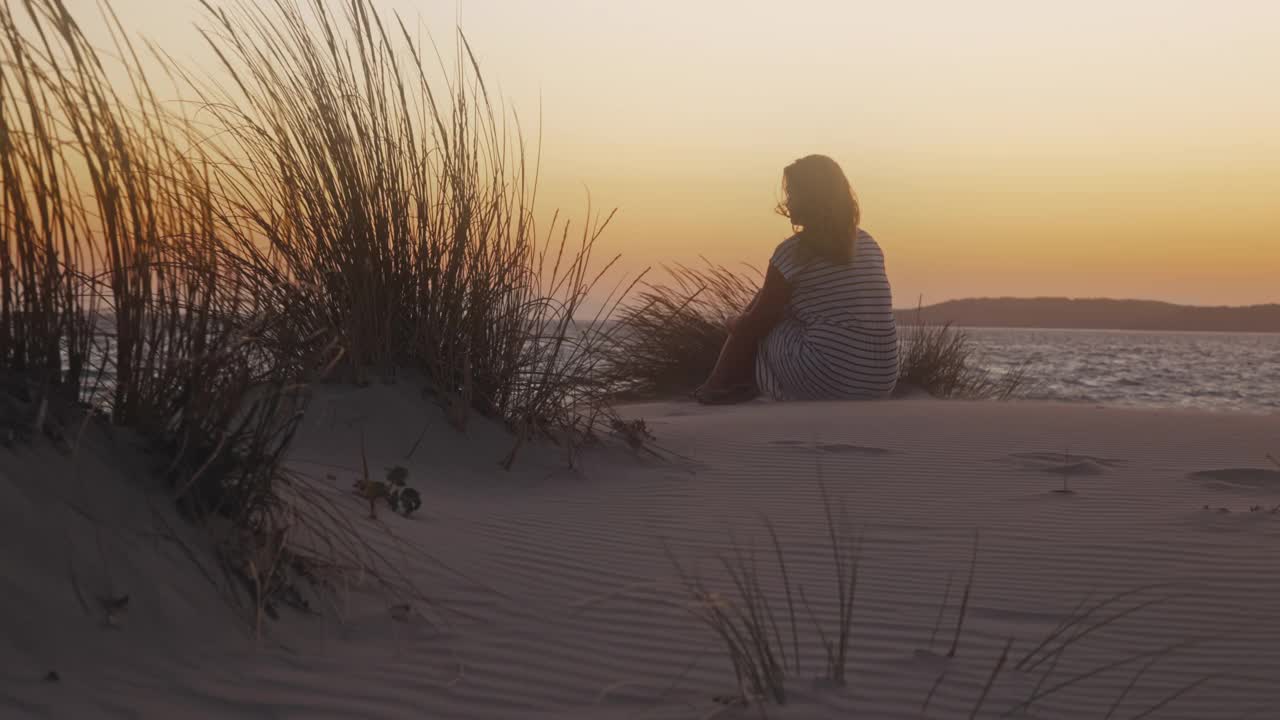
x=1098 y=314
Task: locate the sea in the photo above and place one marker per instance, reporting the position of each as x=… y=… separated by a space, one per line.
x=1230 y=372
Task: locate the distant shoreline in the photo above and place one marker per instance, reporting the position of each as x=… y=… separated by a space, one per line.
x=1095 y=314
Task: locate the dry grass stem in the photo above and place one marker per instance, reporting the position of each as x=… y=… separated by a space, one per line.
x=964 y=599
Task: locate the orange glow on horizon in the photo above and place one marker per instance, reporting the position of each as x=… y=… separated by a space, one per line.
x=998 y=148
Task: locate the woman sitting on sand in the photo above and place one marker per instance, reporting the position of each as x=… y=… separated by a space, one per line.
x=822 y=326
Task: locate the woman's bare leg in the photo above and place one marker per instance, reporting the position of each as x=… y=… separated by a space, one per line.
x=736 y=365
x=735 y=369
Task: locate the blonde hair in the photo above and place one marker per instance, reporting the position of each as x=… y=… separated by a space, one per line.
x=830 y=212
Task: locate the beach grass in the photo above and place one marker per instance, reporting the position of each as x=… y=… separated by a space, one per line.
x=754 y=631
x=329 y=204
x=390 y=209
x=122 y=296
x=760 y=635
x=668 y=334
x=944 y=361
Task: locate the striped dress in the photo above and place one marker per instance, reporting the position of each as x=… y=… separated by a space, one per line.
x=838 y=338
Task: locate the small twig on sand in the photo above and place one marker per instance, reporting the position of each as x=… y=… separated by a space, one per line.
x=924 y=707
x=946 y=596
x=995 y=672
x=964 y=600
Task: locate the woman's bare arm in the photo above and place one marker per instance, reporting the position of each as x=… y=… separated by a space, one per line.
x=733 y=320
x=767 y=308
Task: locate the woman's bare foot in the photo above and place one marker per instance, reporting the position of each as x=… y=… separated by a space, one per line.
x=729 y=395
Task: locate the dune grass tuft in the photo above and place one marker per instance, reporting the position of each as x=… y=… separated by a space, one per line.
x=389 y=207
x=943 y=360
x=753 y=617
x=335 y=206
x=668 y=335
x=116 y=294
x=753 y=629
x=755 y=633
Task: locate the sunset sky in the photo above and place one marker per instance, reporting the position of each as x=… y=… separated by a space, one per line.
x=1121 y=148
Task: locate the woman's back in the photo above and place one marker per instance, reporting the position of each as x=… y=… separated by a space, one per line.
x=839 y=338
x=844 y=294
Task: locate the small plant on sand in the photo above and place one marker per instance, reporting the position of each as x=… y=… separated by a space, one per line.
x=846 y=554
x=761 y=636
x=751 y=629
x=1066 y=475
x=634 y=432
x=1076 y=627
x=392 y=490
x=762 y=641
x=1079 y=625
x=401 y=499
x=747 y=627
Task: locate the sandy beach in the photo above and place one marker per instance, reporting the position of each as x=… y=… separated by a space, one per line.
x=554 y=590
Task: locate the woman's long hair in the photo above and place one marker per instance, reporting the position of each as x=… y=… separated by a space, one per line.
x=815 y=188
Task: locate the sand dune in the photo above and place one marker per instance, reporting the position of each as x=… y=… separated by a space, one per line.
x=561 y=599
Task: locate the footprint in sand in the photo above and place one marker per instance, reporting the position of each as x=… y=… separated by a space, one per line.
x=837 y=448
x=1249 y=479
x=1061 y=463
